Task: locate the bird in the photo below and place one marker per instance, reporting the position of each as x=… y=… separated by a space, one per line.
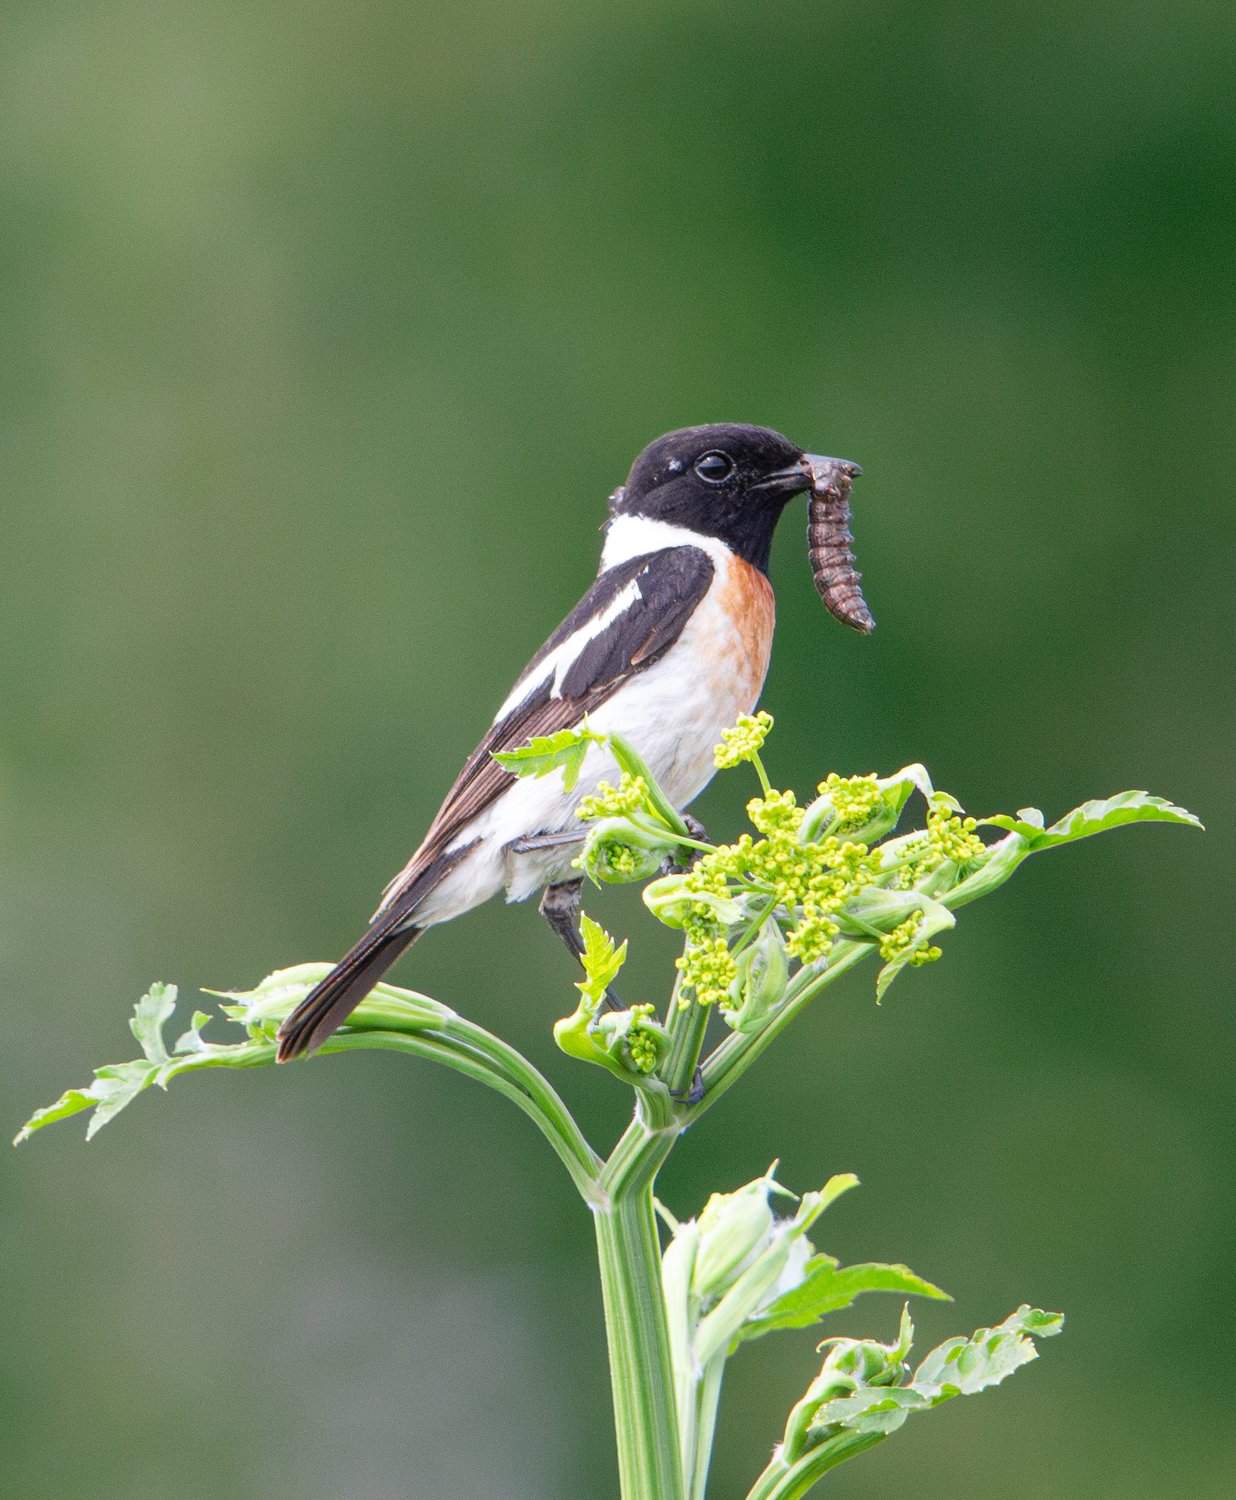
x=668 y=647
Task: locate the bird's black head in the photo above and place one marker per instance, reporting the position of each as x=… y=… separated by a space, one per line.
x=725 y=480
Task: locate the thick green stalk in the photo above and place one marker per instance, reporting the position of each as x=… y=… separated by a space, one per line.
x=650 y=1465
x=645 y=1422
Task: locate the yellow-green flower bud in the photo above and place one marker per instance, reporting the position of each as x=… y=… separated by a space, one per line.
x=759 y=983
x=623 y=801
x=733 y=1229
x=744 y=741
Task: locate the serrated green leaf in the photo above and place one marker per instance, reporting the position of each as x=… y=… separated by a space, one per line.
x=601 y=961
x=564 y=751
x=71 y=1102
x=1096 y=817
x=965 y=1366
x=116 y=1086
x=149 y=1014
x=829 y=1287
x=875 y=1409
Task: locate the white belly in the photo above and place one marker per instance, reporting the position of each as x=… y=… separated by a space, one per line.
x=673 y=713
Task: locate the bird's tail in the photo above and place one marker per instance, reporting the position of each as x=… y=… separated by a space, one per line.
x=333 y=999
x=393 y=930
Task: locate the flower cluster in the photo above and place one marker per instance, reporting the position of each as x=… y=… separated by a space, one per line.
x=951 y=836
x=708 y=967
x=622 y=801
x=906 y=943
x=948 y=837
x=798 y=883
x=644 y=1040
x=854 y=798
x=805 y=883
x=744 y=741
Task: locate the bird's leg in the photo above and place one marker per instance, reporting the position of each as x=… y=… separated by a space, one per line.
x=697 y=831
x=560 y=908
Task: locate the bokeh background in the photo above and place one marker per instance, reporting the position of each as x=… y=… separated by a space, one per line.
x=328 y=328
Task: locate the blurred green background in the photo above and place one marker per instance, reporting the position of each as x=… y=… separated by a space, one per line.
x=328 y=328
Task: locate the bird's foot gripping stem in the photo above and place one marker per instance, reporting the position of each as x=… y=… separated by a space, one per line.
x=697 y=831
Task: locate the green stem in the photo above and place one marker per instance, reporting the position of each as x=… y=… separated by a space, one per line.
x=450 y=1048
x=645 y=1421
x=551 y=1114
x=687 y=1027
x=761 y=772
x=782 y=1481
x=704 y=1425
x=737 y=1052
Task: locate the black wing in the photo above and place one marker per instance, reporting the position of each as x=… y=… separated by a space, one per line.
x=661 y=592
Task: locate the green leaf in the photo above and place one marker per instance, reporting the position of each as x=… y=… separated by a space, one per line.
x=564 y=751
x=602 y=962
x=960 y=1367
x=1002 y=859
x=71 y=1102
x=856 y=1399
x=934 y=918
x=1095 y=817
x=881 y=1409
x=116 y=1086
x=630 y=760
x=829 y=1287
x=149 y=1014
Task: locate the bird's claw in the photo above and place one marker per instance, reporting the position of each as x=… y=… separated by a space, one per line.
x=694 y=1092
x=669 y=865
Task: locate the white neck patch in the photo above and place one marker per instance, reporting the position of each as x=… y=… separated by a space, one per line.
x=632 y=536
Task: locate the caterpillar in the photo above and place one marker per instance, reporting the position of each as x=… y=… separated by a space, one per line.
x=829 y=545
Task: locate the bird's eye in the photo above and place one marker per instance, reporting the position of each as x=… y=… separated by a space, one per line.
x=714 y=467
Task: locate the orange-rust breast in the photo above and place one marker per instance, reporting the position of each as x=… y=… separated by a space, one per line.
x=746 y=597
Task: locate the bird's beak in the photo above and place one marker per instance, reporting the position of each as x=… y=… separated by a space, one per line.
x=812 y=472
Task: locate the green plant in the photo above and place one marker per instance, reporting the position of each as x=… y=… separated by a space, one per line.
x=768 y=922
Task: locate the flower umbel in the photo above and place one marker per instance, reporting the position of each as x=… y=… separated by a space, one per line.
x=623 y=801
x=907 y=942
x=744 y=741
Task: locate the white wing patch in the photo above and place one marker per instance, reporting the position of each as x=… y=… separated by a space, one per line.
x=560 y=660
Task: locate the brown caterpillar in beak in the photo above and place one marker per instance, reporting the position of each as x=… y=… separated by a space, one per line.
x=829 y=544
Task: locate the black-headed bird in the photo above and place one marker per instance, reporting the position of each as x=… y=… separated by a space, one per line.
x=668 y=647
